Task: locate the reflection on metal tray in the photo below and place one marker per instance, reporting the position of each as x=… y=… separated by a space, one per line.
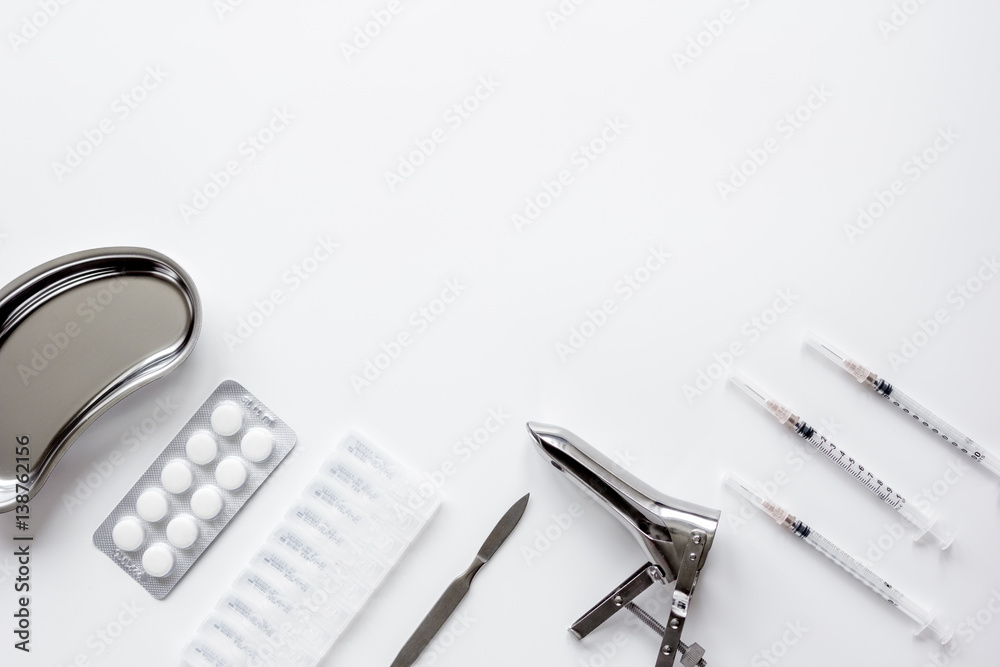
x=77 y=335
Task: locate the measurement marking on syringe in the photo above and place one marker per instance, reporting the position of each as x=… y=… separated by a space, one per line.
x=857 y=471
x=790 y=420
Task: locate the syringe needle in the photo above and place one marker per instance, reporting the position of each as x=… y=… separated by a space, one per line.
x=925 y=619
x=861 y=474
x=940 y=428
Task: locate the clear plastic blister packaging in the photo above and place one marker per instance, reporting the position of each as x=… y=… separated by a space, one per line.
x=320 y=565
x=194 y=488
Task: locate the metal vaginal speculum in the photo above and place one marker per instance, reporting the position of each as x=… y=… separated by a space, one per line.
x=675 y=535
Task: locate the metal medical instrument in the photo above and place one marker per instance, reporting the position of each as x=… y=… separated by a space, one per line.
x=77 y=335
x=861 y=473
x=939 y=427
x=925 y=620
x=675 y=535
x=456 y=591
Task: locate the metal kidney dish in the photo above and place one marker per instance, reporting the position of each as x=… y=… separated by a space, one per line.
x=77 y=335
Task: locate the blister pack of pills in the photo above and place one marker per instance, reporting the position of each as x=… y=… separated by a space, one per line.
x=318 y=568
x=194 y=488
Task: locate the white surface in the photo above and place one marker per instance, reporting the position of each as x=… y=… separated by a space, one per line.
x=309 y=267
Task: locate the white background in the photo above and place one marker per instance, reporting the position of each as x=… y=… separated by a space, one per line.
x=686 y=126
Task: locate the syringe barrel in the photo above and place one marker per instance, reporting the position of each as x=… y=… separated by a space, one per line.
x=942 y=429
x=851 y=565
x=923 y=523
x=925 y=619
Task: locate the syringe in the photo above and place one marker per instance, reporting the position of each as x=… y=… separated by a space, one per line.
x=925 y=620
x=939 y=427
x=923 y=523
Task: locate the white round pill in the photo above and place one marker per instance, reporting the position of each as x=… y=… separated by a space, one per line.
x=227 y=419
x=128 y=534
x=158 y=560
x=206 y=503
x=231 y=474
x=201 y=448
x=151 y=505
x=257 y=445
x=176 y=476
x=182 y=531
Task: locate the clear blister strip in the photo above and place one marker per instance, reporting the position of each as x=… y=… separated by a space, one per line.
x=202 y=653
x=276 y=628
x=194 y=488
x=385 y=545
x=393 y=477
x=364 y=490
x=324 y=560
x=316 y=612
x=308 y=580
x=354 y=555
x=243 y=645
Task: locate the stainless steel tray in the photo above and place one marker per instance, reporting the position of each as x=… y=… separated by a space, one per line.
x=77 y=335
